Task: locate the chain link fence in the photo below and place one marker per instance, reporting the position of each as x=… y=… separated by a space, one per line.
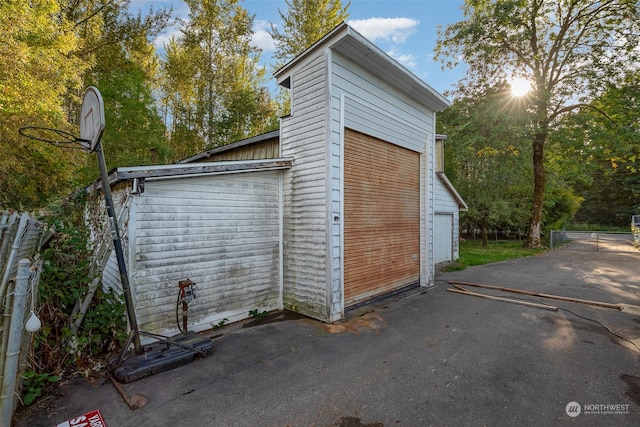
x=592 y=241
x=19 y=277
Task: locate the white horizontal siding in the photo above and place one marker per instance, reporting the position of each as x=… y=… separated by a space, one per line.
x=304 y=137
x=376 y=108
x=220 y=231
x=111 y=274
x=443 y=200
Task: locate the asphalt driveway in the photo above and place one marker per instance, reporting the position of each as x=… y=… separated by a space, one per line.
x=423 y=357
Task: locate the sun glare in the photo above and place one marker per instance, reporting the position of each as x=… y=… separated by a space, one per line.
x=520 y=86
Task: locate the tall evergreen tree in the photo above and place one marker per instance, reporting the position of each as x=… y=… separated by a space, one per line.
x=304 y=23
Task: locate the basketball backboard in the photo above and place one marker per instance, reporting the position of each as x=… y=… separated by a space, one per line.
x=91 y=118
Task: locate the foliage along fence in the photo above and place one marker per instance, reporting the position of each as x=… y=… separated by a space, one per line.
x=19 y=240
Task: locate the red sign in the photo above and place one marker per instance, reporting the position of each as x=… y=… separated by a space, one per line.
x=90 y=419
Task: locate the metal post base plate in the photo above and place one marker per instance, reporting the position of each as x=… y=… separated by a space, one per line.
x=161 y=356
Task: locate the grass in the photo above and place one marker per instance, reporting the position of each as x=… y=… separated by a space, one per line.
x=472 y=253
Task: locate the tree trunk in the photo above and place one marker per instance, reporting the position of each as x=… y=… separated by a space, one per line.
x=485 y=236
x=535 y=227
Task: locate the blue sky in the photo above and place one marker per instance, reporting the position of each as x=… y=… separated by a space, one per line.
x=405 y=29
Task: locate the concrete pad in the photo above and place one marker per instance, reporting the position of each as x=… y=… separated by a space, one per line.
x=430 y=358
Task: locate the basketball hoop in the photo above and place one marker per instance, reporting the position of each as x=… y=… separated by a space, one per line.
x=57 y=137
x=91 y=126
x=91 y=129
x=92 y=117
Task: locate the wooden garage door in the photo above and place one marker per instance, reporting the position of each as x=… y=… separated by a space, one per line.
x=382 y=217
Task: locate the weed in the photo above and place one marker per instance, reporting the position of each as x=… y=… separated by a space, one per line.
x=34 y=384
x=257 y=314
x=220 y=324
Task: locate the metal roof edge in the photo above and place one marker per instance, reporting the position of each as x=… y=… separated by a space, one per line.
x=203 y=168
x=344 y=30
x=437 y=96
x=461 y=203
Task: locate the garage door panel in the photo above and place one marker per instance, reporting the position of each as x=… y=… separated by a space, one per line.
x=443 y=237
x=382 y=217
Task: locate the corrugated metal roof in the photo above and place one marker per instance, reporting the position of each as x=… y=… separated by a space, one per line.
x=234 y=145
x=195 y=169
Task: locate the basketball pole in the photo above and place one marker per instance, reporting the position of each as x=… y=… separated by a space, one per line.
x=168 y=353
x=117 y=245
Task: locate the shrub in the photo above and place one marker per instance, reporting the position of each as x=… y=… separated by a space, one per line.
x=65 y=280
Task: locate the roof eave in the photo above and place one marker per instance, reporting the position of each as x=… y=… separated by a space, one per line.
x=462 y=205
x=409 y=82
x=177 y=170
x=418 y=87
x=282 y=71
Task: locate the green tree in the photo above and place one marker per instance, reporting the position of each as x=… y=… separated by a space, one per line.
x=211 y=92
x=126 y=73
x=249 y=110
x=487 y=159
x=568 y=49
x=37 y=68
x=305 y=22
x=125 y=70
x=179 y=71
x=48 y=55
x=600 y=148
x=134 y=133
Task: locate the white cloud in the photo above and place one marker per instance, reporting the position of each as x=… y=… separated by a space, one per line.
x=406 y=59
x=164 y=38
x=261 y=37
x=396 y=30
x=389 y=31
